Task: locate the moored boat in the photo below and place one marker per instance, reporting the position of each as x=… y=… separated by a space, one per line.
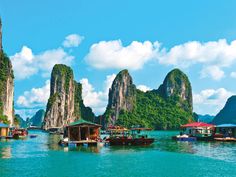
x=20 y=133
x=129 y=137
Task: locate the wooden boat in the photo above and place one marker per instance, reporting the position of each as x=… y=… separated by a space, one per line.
x=124 y=137
x=19 y=133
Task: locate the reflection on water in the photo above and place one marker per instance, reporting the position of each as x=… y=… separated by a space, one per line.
x=5 y=153
x=44 y=143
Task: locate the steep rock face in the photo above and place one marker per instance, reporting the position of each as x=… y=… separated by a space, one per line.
x=37 y=119
x=6 y=86
x=60 y=106
x=121 y=96
x=176 y=85
x=228 y=114
x=166 y=108
x=65 y=104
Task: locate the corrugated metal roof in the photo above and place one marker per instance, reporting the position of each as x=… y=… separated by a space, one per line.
x=198 y=124
x=82 y=121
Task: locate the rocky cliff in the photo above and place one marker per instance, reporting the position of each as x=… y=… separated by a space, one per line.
x=176 y=85
x=65 y=103
x=165 y=108
x=122 y=96
x=6 y=86
x=228 y=114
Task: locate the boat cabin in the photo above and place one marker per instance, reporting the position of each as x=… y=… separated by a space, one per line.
x=4 y=130
x=226 y=130
x=83 y=131
x=198 y=129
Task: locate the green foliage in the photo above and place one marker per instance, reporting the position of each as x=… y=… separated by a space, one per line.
x=5 y=72
x=4 y=119
x=51 y=100
x=153 y=111
x=63 y=71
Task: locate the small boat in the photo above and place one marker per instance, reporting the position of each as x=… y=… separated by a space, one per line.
x=120 y=136
x=33 y=136
x=19 y=133
x=184 y=138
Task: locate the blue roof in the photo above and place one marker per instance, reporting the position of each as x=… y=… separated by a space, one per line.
x=226 y=125
x=2 y=125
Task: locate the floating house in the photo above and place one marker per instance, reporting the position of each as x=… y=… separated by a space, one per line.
x=4 y=130
x=83 y=132
x=226 y=132
x=196 y=131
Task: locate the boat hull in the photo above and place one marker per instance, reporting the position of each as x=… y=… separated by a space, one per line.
x=130 y=142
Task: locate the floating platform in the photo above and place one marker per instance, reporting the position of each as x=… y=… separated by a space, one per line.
x=227 y=139
x=79 y=143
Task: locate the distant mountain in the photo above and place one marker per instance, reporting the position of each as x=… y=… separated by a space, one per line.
x=228 y=114
x=37 y=119
x=21 y=122
x=203 y=118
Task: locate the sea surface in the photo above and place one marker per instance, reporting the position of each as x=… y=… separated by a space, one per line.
x=42 y=157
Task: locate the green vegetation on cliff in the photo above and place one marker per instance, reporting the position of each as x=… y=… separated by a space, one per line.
x=80 y=109
x=155 y=112
x=5 y=72
x=165 y=108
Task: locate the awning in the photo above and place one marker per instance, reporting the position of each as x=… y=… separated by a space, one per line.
x=2 y=125
x=226 y=126
x=198 y=124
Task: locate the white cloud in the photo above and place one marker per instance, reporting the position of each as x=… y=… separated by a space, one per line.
x=97 y=100
x=210 y=101
x=143 y=88
x=214 y=55
x=112 y=54
x=73 y=40
x=26 y=64
x=218 y=53
x=213 y=72
x=36 y=97
x=233 y=74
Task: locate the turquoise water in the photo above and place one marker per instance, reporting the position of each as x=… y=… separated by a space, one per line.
x=42 y=157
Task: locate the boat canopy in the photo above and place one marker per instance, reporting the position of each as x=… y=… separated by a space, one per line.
x=226 y=126
x=197 y=124
x=2 y=125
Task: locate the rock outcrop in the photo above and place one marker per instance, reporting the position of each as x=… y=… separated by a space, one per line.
x=176 y=85
x=6 y=86
x=228 y=114
x=165 y=108
x=65 y=103
x=122 y=96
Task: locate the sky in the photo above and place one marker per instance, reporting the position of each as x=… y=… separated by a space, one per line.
x=100 y=38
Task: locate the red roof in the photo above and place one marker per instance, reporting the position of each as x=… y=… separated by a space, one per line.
x=198 y=124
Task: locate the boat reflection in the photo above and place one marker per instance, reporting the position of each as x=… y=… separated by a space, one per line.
x=5 y=153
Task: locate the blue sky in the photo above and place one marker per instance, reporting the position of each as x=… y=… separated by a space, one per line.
x=148 y=37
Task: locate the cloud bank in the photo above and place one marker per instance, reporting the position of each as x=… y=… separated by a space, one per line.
x=213 y=55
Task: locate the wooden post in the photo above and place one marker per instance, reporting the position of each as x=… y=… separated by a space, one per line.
x=79 y=134
x=69 y=133
x=88 y=133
